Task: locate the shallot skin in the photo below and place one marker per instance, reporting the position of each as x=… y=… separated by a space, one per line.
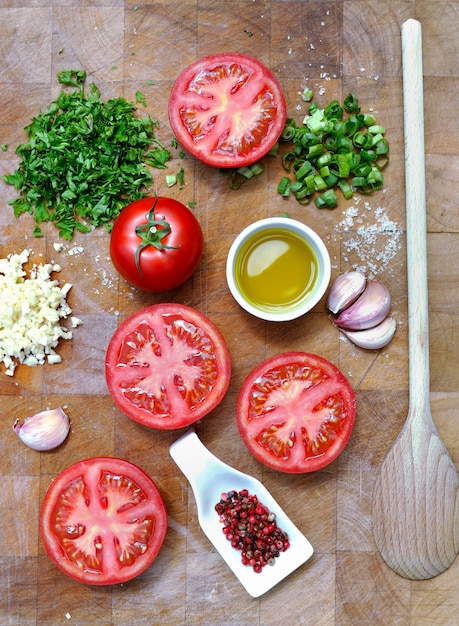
x=345 y=291
x=43 y=431
x=369 y=310
x=373 y=338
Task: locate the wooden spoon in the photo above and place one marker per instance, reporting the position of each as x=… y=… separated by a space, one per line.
x=415 y=501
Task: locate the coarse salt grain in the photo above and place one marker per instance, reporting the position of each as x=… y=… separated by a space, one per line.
x=373 y=237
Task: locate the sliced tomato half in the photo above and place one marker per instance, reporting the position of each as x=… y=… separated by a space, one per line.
x=228 y=110
x=167 y=366
x=103 y=521
x=296 y=412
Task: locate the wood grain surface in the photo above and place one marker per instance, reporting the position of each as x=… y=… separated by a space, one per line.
x=334 y=47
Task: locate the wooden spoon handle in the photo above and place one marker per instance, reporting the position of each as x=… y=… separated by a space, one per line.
x=418 y=323
x=416 y=496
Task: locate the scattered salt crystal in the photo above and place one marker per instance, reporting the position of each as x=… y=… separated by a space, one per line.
x=76 y=250
x=374 y=238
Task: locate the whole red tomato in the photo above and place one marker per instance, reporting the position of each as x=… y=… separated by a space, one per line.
x=156 y=243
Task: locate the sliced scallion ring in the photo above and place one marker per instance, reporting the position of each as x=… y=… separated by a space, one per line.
x=336 y=147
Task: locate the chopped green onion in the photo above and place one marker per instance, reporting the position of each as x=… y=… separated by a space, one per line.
x=324 y=160
x=274 y=150
x=303 y=196
x=362 y=140
x=345 y=188
x=171 y=180
x=309 y=184
x=368 y=155
x=326 y=200
x=304 y=169
x=382 y=147
x=283 y=188
x=245 y=171
x=256 y=168
x=351 y=104
x=307 y=95
x=340 y=165
x=319 y=183
x=287 y=160
x=314 y=122
x=242 y=174
x=315 y=151
x=375 y=129
x=333 y=110
x=333 y=150
x=359 y=181
x=368 y=120
x=289 y=130
x=331 y=180
x=377 y=138
x=296 y=186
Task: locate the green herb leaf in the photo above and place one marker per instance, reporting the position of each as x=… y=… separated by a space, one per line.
x=158 y=157
x=141 y=98
x=181 y=177
x=84 y=159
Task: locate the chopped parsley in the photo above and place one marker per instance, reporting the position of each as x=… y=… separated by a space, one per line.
x=85 y=159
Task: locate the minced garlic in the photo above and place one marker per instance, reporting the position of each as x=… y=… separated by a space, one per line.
x=30 y=312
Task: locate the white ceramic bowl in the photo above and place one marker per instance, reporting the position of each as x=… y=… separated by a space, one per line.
x=278 y=269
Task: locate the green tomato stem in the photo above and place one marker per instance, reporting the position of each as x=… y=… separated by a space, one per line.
x=152 y=232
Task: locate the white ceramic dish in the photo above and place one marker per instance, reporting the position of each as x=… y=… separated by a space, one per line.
x=209 y=478
x=315 y=244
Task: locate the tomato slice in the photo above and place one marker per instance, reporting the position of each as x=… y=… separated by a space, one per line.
x=296 y=412
x=103 y=521
x=167 y=366
x=227 y=109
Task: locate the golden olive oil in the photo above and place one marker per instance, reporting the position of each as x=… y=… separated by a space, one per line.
x=276 y=269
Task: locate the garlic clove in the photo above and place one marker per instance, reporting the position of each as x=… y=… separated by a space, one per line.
x=371 y=307
x=373 y=338
x=43 y=431
x=345 y=290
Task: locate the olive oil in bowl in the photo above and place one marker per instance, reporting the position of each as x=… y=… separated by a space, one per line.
x=278 y=269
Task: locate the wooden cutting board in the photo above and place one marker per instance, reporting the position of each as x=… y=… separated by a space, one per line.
x=333 y=47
